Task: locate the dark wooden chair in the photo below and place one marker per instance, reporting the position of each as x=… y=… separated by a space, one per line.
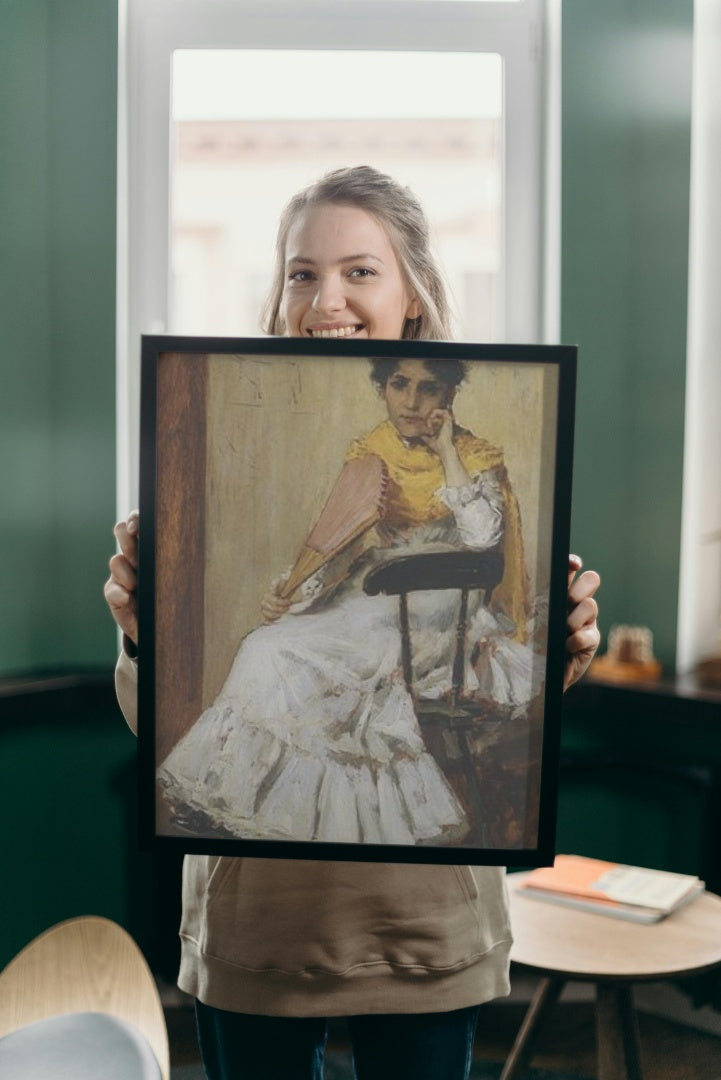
x=448 y=725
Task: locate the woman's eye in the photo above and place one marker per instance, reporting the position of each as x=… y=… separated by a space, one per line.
x=299 y=276
x=362 y=272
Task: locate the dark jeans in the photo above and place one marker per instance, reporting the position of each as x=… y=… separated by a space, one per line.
x=415 y=1046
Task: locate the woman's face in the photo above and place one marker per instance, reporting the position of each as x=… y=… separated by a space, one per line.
x=342 y=277
x=412 y=393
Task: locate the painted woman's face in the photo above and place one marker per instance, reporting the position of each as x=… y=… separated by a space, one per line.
x=342 y=277
x=412 y=393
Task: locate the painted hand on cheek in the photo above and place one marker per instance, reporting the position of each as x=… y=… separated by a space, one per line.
x=439 y=430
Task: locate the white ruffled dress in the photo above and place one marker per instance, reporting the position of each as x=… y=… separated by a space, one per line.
x=314 y=736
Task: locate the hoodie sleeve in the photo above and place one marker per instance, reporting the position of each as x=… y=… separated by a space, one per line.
x=126 y=688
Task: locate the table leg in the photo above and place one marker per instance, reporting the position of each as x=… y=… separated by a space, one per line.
x=545 y=997
x=617 y=1033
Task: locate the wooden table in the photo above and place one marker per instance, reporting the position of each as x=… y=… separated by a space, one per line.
x=563 y=944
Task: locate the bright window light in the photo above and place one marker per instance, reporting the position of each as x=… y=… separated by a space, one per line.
x=220 y=84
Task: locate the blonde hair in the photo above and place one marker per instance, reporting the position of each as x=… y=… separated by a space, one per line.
x=403 y=217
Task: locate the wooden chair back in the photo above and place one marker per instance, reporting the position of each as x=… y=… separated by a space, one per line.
x=464 y=570
x=87 y=964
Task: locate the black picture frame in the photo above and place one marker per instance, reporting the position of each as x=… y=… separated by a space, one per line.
x=242 y=440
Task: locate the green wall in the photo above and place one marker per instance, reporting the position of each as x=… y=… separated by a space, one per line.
x=68 y=798
x=58 y=72
x=66 y=759
x=625 y=200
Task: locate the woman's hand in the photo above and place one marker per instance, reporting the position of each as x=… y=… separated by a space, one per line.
x=273 y=605
x=583 y=635
x=439 y=437
x=439 y=432
x=121 y=587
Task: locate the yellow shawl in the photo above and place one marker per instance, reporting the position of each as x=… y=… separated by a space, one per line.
x=415 y=474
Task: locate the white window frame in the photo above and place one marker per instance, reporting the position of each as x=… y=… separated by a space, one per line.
x=699 y=598
x=526 y=34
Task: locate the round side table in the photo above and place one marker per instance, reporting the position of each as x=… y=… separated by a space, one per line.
x=563 y=944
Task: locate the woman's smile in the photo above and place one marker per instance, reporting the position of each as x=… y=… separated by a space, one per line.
x=323 y=331
x=342 y=277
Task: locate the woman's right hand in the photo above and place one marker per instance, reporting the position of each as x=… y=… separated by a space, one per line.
x=121 y=587
x=273 y=605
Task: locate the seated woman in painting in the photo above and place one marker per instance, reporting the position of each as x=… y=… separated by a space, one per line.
x=313 y=735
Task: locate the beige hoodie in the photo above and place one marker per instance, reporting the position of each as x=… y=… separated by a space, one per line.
x=284 y=937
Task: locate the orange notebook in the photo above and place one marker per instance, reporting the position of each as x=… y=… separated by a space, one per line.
x=631 y=892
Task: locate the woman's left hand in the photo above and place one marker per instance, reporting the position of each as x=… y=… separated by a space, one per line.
x=582 y=633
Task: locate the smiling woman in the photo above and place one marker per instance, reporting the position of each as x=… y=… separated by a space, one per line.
x=353 y=259
x=343 y=277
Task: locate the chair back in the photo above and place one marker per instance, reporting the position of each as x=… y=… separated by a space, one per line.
x=84 y=965
x=464 y=569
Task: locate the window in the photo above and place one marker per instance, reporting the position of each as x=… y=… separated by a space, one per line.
x=235 y=161
x=227 y=107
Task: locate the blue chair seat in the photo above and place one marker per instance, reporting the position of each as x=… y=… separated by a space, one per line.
x=78 y=1046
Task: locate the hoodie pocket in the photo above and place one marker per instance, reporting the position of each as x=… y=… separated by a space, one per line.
x=295 y=916
x=468 y=884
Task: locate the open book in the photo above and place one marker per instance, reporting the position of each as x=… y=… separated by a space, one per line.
x=608 y=888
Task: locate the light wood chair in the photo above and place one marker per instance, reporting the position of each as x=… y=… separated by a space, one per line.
x=86 y=965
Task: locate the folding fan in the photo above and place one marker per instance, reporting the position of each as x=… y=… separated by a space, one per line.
x=354 y=505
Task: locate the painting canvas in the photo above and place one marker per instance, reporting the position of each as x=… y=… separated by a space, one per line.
x=352 y=597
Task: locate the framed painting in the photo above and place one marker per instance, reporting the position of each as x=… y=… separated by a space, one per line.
x=352 y=597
